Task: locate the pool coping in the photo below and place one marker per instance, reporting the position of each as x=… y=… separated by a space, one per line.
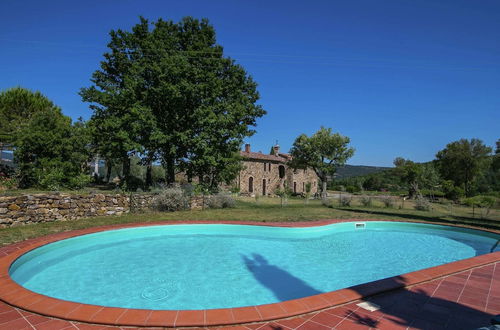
x=16 y=295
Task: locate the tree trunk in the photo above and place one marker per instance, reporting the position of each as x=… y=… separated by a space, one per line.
x=149 y=175
x=109 y=168
x=170 y=170
x=126 y=170
x=323 y=188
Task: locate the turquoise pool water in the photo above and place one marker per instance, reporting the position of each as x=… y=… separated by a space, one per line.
x=222 y=266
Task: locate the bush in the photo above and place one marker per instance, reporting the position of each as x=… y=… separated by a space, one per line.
x=345 y=200
x=451 y=191
x=50 y=178
x=366 y=200
x=221 y=201
x=353 y=189
x=388 y=201
x=422 y=204
x=79 y=181
x=327 y=202
x=432 y=193
x=234 y=190
x=171 y=199
x=480 y=201
x=188 y=189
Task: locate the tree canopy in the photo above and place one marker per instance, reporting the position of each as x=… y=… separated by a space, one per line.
x=17 y=107
x=51 y=152
x=166 y=91
x=462 y=161
x=324 y=152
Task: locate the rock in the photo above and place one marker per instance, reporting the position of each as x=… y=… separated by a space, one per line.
x=3 y=210
x=14 y=207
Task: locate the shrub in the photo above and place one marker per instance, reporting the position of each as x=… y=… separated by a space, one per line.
x=171 y=199
x=50 y=178
x=432 y=193
x=188 y=189
x=79 y=181
x=366 y=200
x=485 y=203
x=345 y=200
x=221 y=201
x=422 y=204
x=234 y=189
x=451 y=191
x=388 y=201
x=327 y=202
x=352 y=189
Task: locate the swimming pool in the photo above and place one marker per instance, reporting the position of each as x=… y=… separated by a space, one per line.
x=186 y=267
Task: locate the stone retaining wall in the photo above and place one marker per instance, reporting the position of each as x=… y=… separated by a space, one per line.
x=51 y=207
x=25 y=209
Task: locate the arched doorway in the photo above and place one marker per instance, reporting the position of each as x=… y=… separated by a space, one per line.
x=263 y=187
x=281 y=171
x=250 y=184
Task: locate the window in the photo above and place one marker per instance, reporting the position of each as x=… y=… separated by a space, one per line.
x=250 y=184
x=264 y=167
x=269 y=167
x=303 y=186
x=295 y=187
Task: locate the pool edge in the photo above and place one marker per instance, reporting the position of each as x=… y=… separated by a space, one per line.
x=16 y=295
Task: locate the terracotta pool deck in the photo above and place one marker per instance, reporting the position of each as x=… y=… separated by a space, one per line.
x=460 y=295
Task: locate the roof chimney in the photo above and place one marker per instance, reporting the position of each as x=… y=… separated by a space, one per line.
x=276 y=150
x=247 y=147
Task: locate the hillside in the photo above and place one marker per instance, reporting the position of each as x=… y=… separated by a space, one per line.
x=349 y=171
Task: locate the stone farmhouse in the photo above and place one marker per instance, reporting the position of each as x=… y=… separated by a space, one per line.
x=264 y=174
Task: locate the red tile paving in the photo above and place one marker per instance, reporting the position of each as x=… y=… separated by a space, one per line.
x=460 y=295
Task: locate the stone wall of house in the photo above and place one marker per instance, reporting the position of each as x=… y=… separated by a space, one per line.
x=260 y=170
x=26 y=209
x=299 y=179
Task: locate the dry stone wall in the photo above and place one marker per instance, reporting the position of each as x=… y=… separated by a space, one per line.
x=51 y=207
x=25 y=209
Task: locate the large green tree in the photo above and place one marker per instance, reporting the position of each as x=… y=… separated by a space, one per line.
x=416 y=176
x=172 y=95
x=17 y=107
x=51 y=152
x=463 y=162
x=324 y=152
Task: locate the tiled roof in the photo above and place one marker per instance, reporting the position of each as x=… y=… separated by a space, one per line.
x=281 y=158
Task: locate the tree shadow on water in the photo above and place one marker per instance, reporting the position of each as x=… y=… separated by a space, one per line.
x=281 y=283
x=417 y=307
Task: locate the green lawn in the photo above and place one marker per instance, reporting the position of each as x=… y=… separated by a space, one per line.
x=261 y=210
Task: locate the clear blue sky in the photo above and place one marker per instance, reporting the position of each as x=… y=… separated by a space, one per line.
x=399 y=77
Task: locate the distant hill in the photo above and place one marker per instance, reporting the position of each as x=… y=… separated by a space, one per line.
x=348 y=171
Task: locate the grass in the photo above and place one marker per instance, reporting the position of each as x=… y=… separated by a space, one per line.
x=261 y=210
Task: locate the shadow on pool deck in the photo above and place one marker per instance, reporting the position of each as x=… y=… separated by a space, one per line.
x=278 y=280
x=422 y=308
x=432 y=305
